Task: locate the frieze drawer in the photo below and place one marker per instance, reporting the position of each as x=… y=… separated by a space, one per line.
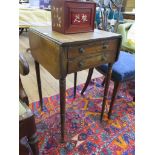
x=92 y=48
x=94 y=61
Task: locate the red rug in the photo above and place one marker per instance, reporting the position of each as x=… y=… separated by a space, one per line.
x=85 y=135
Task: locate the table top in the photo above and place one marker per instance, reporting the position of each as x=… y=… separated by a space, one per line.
x=24 y=25
x=70 y=39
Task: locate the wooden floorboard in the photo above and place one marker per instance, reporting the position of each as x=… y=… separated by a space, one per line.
x=50 y=86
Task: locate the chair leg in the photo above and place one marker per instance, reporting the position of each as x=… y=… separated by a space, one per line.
x=21 y=30
x=104 y=80
x=116 y=87
x=88 y=80
x=75 y=81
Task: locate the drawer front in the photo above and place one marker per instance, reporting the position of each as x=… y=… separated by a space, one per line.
x=92 y=48
x=93 y=61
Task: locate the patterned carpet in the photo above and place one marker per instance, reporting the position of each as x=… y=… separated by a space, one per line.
x=85 y=135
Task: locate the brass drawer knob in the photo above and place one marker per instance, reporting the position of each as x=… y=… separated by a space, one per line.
x=81 y=50
x=81 y=64
x=105 y=46
x=103 y=58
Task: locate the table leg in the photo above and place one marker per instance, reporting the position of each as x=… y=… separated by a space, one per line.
x=90 y=73
x=108 y=77
x=62 y=84
x=75 y=81
x=116 y=87
x=37 y=67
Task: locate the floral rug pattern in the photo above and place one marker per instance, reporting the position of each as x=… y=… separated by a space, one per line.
x=85 y=134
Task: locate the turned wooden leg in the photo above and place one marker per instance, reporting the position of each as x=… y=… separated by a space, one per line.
x=75 y=81
x=62 y=84
x=88 y=80
x=116 y=87
x=37 y=67
x=108 y=77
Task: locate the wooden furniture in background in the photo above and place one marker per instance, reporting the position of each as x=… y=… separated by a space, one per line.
x=129 y=15
x=63 y=54
x=27 y=127
x=23 y=70
x=27 y=131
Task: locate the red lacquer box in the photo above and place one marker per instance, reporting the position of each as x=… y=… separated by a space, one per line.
x=73 y=16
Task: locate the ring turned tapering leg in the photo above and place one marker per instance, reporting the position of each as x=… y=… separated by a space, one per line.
x=62 y=84
x=75 y=82
x=108 y=77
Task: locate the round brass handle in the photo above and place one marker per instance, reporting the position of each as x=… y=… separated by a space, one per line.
x=81 y=50
x=103 y=58
x=81 y=64
x=105 y=46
